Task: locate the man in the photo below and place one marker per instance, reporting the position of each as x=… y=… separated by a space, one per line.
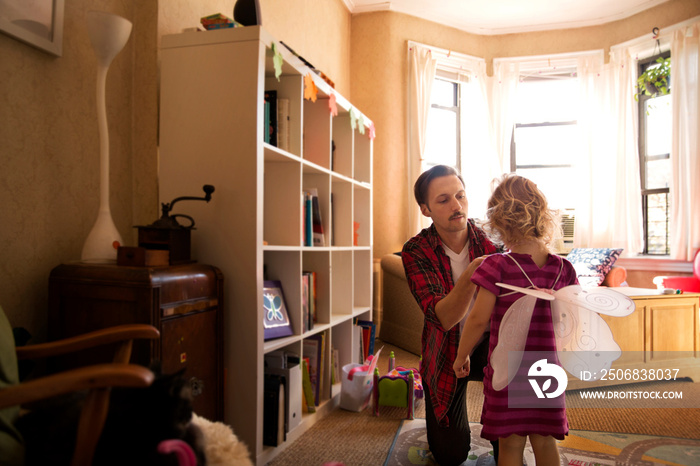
x=439 y=263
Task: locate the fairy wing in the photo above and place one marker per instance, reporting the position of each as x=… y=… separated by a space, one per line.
x=512 y=335
x=601 y=300
x=585 y=342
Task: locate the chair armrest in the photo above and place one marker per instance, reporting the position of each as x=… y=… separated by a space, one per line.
x=118 y=333
x=616 y=277
x=392 y=263
x=84 y=378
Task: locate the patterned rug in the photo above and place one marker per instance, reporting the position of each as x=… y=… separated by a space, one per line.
x=580 y=448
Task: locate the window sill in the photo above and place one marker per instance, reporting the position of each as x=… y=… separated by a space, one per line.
x=662 y=263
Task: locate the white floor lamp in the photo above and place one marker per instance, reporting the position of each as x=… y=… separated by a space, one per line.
x=108 y=34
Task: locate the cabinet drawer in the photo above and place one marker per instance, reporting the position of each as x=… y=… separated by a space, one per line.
x=189 y=342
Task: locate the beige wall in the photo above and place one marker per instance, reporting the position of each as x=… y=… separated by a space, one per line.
x=49 y=144
x=49 y=163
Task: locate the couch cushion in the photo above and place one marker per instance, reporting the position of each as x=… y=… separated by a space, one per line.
x=592 y=264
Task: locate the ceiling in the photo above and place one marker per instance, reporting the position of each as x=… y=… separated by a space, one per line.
x=490 y=17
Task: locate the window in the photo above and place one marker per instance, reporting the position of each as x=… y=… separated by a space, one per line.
x=542 y=147
x=442 y=143
x=655 y=165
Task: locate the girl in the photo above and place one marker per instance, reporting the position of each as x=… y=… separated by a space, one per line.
x=519 y=218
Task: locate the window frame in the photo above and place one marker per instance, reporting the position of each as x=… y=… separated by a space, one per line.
x=457 y=109
x=642 y=65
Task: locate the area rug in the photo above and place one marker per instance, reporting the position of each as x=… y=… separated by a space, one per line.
x=580 y=448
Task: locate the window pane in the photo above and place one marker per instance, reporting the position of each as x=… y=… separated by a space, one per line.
x=552 y=99
x=658 y=134
x=441 y=139
x=555 y=183
x=657 y=223
x=658 y=173
x=544 y=145
x=443 y=93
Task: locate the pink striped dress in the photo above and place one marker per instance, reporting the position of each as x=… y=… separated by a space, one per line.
x=526 y=414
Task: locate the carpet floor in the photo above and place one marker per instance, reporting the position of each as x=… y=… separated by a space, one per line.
x=363 y=439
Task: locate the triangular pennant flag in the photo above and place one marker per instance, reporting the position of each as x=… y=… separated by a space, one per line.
x=332 y=106
x=277 y=61
x=353 y=119
x=372 y=133
x=310 y=89
x=361 y=124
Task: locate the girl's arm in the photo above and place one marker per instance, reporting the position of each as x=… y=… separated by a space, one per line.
x=474 y=327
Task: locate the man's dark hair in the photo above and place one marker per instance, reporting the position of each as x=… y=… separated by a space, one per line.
x=420 y=189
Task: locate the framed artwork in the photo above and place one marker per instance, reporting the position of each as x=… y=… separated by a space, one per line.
x=275 y=316
x=38 y=23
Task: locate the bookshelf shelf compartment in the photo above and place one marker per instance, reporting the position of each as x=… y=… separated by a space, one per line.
x=253 y=228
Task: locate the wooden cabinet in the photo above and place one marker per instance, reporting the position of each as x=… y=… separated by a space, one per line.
x=213 y=87
x=183 y=302
x=662 y=333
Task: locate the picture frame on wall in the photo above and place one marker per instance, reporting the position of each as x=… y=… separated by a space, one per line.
x=276 y=321
x=38 y=23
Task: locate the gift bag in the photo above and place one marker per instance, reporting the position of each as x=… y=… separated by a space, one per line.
x=356 y=387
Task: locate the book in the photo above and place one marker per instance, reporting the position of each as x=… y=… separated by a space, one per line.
x=316 y=221
x=266 y=121
x=305 y=297
x=283 y=124
x=273 y=410
x=307 y=389
x=308 y=222
x=312 y=351
x=271 y=99
x=367 y=336
x=309 y=292
x=335 y=367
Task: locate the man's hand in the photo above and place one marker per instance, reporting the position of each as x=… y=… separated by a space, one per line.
x=461 y=366
x=473 y=265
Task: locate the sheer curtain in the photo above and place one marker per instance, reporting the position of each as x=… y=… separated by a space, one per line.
x=480 y=162
x=685 y=145
x=422 y=67
x=503 y=89
x=608 y=211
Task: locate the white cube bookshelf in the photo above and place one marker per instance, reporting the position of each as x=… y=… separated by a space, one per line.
x=212 y=92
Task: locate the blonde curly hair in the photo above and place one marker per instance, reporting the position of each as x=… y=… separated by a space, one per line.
x=518 y=211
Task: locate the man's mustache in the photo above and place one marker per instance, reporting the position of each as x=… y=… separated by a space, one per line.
x=458 y=214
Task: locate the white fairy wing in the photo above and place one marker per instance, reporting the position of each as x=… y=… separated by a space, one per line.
x=512 y=335
x=528 y=291
x=585 y=343
x=601 y=300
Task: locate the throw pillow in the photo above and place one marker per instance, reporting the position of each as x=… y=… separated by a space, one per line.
x=592 y=264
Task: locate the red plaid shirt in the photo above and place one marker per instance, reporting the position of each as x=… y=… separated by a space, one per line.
x=429 y=276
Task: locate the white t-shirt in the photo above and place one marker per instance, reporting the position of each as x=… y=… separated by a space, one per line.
x=459 y=263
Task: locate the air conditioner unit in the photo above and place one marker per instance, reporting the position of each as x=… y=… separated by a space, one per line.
x=567 y=220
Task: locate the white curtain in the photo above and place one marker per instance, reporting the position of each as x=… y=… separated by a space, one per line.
x=608 y=211
x=685 y=145
x=503 y=89
x=422 y=68
x=479 y=158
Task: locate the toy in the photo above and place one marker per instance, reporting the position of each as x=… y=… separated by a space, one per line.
x=400 y=387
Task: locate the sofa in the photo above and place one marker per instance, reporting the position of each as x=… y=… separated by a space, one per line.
x=401 y=322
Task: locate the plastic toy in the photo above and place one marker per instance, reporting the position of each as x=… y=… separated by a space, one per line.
x=400 y=387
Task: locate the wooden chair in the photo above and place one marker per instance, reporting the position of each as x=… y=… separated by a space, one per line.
x=97 y=379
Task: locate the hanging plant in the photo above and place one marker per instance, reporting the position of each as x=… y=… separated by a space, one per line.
x=655 y=80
